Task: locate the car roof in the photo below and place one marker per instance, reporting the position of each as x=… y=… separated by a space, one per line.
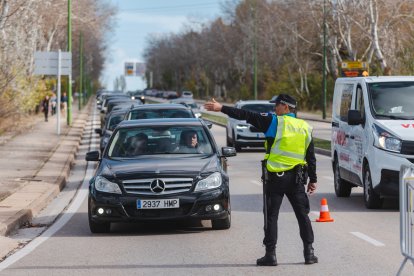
x=371 y=79
x=161 y=106
x=253 y=102
x=162 y=122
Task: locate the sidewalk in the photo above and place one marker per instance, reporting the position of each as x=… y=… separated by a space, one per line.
x=34 y=166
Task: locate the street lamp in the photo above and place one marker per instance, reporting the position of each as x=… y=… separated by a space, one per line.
x=69 y=103
x=324 y=63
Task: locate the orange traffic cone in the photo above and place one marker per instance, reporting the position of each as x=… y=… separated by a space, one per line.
x=324 y=215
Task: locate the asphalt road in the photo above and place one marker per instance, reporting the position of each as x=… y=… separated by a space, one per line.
x=359 y=242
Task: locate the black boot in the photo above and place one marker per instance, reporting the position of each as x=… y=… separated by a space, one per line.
x=269 y=259
x=309 y=255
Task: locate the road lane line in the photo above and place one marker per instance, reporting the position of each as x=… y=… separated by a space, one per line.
x=367 y=239
x=256 y=182
x=80 y=197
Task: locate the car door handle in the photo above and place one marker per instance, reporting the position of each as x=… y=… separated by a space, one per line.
x=346 y=135
x=352 y=137
x=335 y=124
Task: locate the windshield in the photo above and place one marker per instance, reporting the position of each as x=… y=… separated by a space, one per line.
x=259 y=108
x=146 y=113
x=153 y=140
x=392 y=100
x=114 y=121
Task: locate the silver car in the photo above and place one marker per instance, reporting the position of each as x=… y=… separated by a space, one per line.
x=241 y=134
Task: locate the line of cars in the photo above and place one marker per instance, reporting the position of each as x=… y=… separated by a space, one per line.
x=161 y=181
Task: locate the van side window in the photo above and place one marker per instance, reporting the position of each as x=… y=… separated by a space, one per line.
x=359 y=101
x=346 y=100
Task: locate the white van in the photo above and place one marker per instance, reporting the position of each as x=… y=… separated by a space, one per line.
x=372 y=135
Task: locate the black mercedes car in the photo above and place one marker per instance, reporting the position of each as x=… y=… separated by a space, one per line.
x=149 y=172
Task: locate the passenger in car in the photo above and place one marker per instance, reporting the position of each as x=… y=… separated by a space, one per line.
x=137 y=145
x=189 y=142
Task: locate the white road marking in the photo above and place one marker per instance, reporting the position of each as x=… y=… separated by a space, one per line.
x=81 y=195
x=256 y=182
x=315 y=213
x=367 y=239
x=328 y=177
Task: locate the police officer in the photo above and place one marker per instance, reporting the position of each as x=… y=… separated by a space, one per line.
x=289 y=150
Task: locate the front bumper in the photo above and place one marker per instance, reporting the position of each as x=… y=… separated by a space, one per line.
x=385 y=169
x=192 y=206
x=250 y=139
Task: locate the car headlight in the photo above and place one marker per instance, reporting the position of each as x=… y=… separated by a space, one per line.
x=385 y=140
x=104 y=185
x=242 y=127
x=210 y=182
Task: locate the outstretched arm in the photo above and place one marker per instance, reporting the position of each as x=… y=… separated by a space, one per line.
x=213 y=105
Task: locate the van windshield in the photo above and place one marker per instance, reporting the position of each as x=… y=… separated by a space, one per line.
x=392 y=100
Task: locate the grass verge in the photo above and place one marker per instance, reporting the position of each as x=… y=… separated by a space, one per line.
x=322 y=144
x=215 y=118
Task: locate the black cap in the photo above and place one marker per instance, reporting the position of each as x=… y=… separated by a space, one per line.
x=285 y=99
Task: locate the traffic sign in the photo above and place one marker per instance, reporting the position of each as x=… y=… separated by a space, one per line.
x=354 y=69
x=129 y=69
x=140 y=68
x=46 y=63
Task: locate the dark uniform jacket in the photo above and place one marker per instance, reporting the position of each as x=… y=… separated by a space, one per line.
x=263 y=122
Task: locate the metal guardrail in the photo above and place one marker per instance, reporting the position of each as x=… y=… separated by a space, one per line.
x=406 y=214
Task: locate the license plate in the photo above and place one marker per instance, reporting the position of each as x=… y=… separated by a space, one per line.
x=158 y=203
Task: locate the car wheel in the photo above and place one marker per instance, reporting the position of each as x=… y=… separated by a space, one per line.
x=221 y=224
x=228 y=143
x=97 y=227
x=371 y=198
x=342 y=187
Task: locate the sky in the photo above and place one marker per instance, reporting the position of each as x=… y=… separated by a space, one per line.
x=137 y=20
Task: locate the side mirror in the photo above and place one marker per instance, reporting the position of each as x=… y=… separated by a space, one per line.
x=197 y=115
x=103 y=111
x=99 y=131
x=209 y=124
x=354 y=118
x=92 y=156
x=228 y=151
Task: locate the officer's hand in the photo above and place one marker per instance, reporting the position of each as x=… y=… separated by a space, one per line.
x=213 y=105
x=311 y=188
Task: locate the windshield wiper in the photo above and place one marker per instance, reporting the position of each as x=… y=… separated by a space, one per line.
x=393 y=117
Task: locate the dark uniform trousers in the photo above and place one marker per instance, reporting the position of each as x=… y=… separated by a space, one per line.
x=277 y=187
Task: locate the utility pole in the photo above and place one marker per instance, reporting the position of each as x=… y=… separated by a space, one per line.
x=255 y=52
x=80 y=97
x=324 y=63
x=69 y=103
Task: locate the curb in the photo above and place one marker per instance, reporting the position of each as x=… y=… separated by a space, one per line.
x=45 y=191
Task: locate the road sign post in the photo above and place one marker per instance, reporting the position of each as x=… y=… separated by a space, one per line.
x=54 y=63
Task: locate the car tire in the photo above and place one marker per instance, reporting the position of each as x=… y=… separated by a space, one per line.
x=371 y=199
x=96 y=227
x=342 y=188
x=228 y=142
x=235 y=145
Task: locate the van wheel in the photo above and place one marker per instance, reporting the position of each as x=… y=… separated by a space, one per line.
x=371 y=198
x=342 y=187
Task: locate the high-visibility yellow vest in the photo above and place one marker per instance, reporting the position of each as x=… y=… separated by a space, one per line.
x=293 y=137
